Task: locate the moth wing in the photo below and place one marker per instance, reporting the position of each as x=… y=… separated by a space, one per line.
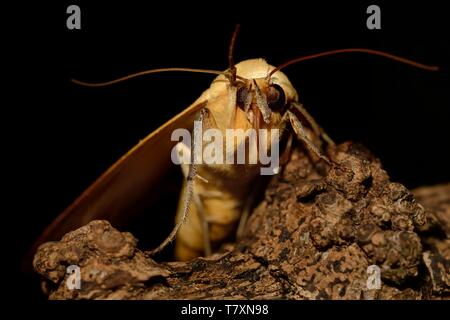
x=132 y=179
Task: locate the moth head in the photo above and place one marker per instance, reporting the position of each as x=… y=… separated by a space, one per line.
x=261 y=98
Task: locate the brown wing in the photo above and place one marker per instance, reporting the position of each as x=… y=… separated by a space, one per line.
x=133 y=178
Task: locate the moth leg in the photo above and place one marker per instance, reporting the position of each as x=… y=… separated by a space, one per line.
x=243 y=221
x=189 y=192
x=247 y=207
x=255 y=191
x=300 y=131
x=287 y=151
x=205 y=225
x=315 y=126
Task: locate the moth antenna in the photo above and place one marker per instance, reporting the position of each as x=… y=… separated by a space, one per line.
x=261 y=102
x=186 y=210
x=362 y=50
x=231 y=53
x=143 y=73
x=192 y=175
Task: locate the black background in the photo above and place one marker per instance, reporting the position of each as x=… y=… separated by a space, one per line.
x=68 y=135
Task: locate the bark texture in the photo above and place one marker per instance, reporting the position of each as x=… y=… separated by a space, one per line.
x=314 y=236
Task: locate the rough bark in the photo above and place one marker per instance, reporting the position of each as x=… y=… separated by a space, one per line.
x=314 y=236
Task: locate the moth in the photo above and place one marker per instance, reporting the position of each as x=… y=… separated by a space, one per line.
x=216 y=197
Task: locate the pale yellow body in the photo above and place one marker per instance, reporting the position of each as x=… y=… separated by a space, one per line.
x=223 y=196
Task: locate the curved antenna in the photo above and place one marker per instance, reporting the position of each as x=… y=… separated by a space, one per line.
x=142 y=73
x=230 y=55
x=361 y=50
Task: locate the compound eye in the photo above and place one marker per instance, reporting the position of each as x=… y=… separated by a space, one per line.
x=276 y=98
x=242 y=96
